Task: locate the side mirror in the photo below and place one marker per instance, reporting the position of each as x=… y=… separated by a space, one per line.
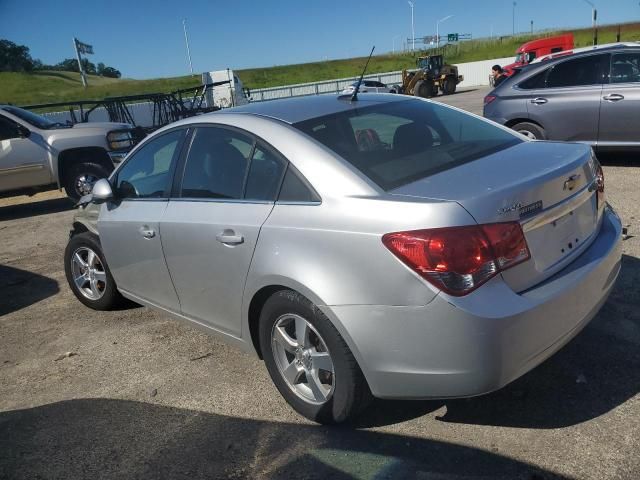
x=101 y=191
x=23 y=132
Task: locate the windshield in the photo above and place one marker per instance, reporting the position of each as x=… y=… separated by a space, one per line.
x=397 y=143
x=30 y=117
x=520 y=58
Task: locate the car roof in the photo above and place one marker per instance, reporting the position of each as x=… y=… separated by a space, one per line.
x=299 y=109
x=534 y=68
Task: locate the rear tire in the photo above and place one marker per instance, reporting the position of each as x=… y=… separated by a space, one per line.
x=530 y=130
x=80 y=177
x=88 y=274
x=343 y=392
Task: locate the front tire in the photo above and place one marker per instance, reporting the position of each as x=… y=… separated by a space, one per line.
x=531 y=130
x=80 y=178
x=309 y=362
x=449 y=87
x=88 y=274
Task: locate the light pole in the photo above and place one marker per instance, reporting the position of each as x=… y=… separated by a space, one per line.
x=438 y=27
x=186 y=40
x=594 y=13
x=413 y=32
x=513 y=20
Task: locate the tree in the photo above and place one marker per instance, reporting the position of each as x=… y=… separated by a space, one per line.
x=14 y=58
x=111 y=72
x=100 y=69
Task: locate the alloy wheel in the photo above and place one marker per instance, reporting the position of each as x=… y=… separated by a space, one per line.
x=84 y=183
x=88 y=273
x=528 y=134
x=303 y=358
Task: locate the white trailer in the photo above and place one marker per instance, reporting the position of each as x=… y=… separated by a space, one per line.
x=230 y=94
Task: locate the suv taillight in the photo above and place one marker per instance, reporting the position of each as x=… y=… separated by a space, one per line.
x=489 y=98
x=458 y=260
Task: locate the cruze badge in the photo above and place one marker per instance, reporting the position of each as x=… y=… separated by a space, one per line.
x=510 y=208
x=523 y=210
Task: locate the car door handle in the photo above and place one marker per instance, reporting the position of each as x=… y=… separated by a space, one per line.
x=229 y=237
x=614 y=97
x=147 y=232
x=539 y=101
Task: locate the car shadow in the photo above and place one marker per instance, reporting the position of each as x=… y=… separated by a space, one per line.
x=464 y=90
x=19 y=289
x=102 y=438
x=619 y=159
x=33 y=209
x=595 y=373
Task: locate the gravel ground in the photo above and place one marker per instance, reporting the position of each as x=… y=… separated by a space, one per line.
x=144 y=397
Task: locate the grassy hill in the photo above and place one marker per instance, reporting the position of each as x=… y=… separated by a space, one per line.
x=49 y=87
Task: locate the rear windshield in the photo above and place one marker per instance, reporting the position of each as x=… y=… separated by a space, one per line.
x=397 y=143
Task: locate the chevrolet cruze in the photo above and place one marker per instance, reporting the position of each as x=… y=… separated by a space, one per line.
x=382 y=246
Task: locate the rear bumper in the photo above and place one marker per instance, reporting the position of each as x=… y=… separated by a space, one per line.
x=458 y=347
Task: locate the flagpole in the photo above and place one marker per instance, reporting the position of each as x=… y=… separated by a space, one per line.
x=82 y=75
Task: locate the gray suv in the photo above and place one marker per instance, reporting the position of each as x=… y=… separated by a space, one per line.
x=591 y=97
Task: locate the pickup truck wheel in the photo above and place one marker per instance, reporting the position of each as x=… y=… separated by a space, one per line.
x=80 y=178
x=309 y=361
x=88 y=274
x=531 y=130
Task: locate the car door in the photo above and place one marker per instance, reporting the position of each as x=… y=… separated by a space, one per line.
x=211 y=226
x=24 y=160
x=620 y=108
x=129 y=226
x=568 y=105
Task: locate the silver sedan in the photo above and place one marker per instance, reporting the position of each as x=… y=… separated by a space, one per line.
x=387 y=246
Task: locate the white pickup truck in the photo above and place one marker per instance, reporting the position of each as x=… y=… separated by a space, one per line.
x=37 y=154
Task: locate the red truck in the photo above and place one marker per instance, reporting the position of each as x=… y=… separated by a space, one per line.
x=529 y=51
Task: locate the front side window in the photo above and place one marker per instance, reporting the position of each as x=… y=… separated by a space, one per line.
x=148 y=173
x=396 y=143
x=625 y=68
x=581 y=71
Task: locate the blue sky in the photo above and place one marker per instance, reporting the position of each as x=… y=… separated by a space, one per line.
x=144 y=39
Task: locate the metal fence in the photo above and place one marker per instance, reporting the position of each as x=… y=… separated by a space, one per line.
x=475 y=74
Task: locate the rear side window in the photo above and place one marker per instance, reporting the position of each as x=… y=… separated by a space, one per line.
x=397 y=143
x=295 y=189
x=535 y=82
x=625 y=68
x=216 y=164
x=265 y=174
x=578 y=72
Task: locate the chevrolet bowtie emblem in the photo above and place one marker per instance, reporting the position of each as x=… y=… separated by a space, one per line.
x=571 y=182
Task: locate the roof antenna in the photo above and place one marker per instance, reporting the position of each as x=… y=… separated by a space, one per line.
x=354 y=97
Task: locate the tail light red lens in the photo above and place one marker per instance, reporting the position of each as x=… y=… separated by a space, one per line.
x=489 y=98
x=458 y=260
x=600 y=184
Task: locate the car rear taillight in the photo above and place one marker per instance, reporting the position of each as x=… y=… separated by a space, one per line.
x=599 y=184
x=489 y=98
x=458 y=260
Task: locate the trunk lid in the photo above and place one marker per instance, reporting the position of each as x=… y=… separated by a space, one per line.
x=548 y=187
